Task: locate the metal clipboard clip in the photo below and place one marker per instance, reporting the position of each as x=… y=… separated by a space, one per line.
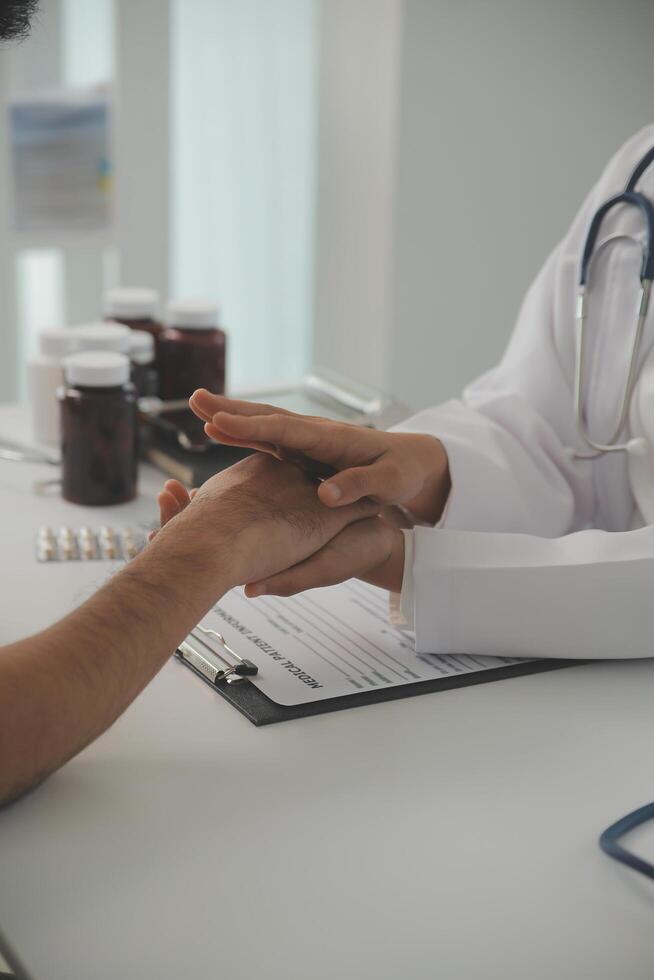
x=215 y=666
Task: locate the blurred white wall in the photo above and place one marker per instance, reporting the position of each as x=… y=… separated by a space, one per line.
x=244 y=93
x=44 y=283
x=88 y=41
x=214 y=150
x=507 y=112
x=358 y=131
x=442 y=147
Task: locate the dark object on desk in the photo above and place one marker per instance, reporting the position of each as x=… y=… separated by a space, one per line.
x=160 y=445
x=168 y=427
x=173 y=424
x=175 y=442
x=193 y=469
x=610 y=840
x=261 y=710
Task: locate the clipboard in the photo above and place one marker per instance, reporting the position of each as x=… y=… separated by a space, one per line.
x=228 y=674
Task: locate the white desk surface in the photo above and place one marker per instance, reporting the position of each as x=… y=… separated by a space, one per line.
x=451 y=835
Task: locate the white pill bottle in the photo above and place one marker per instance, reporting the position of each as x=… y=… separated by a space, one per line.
x=45 y=374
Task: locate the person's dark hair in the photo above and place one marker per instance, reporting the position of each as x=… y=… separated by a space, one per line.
x=15 y=18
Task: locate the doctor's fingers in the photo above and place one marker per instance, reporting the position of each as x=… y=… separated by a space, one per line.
x=225 y=440
x=205 y=405
x=354 y=552
x=336 y=443
x=339 y=445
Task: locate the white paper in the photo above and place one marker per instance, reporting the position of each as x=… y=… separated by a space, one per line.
x=328 y=642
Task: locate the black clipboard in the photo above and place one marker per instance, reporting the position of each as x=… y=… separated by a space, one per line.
x=261 y=710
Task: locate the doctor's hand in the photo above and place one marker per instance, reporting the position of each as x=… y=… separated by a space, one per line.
x=250 y=522
x=389 y=467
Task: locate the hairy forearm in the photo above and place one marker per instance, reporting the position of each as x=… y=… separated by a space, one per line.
x=63 y=687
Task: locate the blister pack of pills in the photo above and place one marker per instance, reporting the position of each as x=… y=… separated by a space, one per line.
x=88 y=543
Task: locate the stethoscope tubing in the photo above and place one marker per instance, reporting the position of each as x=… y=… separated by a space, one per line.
x=610 y=839
x=631 y=198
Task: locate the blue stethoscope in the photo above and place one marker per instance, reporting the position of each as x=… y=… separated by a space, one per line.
x=632 y=198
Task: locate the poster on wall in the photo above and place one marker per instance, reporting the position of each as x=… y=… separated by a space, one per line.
x=61 y=164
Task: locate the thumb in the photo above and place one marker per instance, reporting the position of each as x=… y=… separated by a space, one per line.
x=380 y=480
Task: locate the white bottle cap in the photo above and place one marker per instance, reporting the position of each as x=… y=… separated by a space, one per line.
x=131 y=302
x=58 y=342
x=96 y=369
x=141 y=346
x=103 y=336
x=193 y=314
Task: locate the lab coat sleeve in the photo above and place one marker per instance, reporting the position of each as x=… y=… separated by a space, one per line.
x=508 y=436
x=566 y=580
x=585 y=595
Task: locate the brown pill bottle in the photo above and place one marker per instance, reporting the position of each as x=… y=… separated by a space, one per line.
x=137 y=308
x=99 y=429
x=192 y=350
x=144 y=375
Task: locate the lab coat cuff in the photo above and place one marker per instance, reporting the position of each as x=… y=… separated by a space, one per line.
x=434 y=619
x=401 y=603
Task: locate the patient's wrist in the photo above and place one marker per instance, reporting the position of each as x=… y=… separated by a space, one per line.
x=192 y=557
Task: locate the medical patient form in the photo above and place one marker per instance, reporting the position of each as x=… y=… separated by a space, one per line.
x=328 y=643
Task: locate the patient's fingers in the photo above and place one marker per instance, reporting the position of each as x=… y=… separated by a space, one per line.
x=169 y=506
x=173 y=499
x=178 y=491
x=171 y=502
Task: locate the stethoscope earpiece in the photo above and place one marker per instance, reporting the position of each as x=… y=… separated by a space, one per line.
x=634 y=447
x=637 y=446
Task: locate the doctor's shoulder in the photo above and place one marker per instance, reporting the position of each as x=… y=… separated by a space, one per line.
x=621 y=165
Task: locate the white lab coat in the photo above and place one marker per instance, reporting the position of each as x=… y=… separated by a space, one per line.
x=538 y=553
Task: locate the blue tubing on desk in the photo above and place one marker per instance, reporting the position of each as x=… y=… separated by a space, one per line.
x=610 y=840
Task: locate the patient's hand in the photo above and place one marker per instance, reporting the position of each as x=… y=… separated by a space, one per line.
x=254 y=520
x=172 y=500
x=372 y=550
x=390 y=467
